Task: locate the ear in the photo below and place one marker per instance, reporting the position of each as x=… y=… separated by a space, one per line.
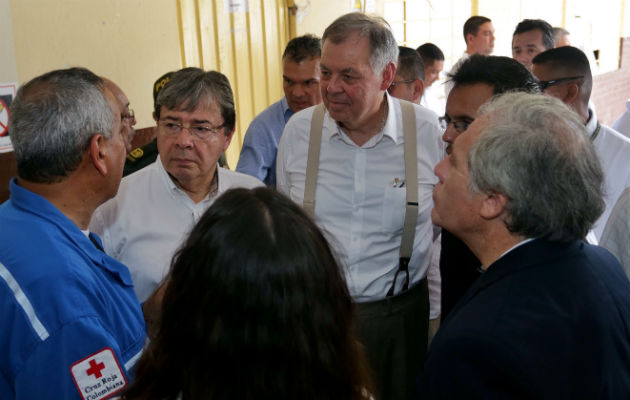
x=98 y=153
x=154 y=117
x=228 y=139
x=389 y=73
x=469 y=38
x=493 y=205
x=418 y=89
x=572 y=95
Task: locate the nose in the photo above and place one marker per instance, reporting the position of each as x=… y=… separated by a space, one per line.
x=525 y=60
x=439 y=170
x=333 y=85
x=450 y=134
x=184 y=140
x=298 y=90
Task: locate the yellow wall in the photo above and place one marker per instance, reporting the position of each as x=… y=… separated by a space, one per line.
x=130 y=42
x=318 y=14
x=245 y=46
x=8 y=69
x=135 y=41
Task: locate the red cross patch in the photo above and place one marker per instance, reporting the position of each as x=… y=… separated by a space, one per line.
x=99 y=375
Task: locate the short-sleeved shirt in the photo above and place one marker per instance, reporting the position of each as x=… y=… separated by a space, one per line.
x=72 y=327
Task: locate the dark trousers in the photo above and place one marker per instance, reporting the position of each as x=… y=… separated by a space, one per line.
x=394 y=333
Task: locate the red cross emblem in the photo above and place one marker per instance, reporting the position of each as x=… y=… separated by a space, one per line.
x=95 y=369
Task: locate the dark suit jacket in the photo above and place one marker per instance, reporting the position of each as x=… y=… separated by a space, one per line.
x=459 y=269
x=546 y=321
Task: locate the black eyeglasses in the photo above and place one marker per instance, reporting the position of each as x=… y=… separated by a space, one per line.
x=545 y=84
x=460 y=126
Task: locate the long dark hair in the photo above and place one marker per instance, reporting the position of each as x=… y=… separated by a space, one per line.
x=256 y=307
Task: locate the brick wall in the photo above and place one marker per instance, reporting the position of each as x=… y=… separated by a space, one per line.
x=612 y=89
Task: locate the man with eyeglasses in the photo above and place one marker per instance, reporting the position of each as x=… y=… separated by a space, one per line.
x=408 y=84
x=128 y=116
x=146 y=154
x=157 y=206
x=475 y=82
x=565 y=73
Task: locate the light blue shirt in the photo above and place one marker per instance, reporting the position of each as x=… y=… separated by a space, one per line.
x=258 y=155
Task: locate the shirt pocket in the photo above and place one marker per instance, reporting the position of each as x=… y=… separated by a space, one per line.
x=394 y=201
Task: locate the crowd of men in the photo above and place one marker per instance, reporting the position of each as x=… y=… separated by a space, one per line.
x=485 y=221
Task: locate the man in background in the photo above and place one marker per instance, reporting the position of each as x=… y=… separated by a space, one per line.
x=531 y=37
x=408 y=84
x=300 y=77
x=475 y=82
x=565 y=73
x=128 y=116
x=479 y=38
x=561 y=37
x=433 y=60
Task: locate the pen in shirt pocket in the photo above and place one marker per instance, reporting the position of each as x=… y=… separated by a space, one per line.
x=398 y=183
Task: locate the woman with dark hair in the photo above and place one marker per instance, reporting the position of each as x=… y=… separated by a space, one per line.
x=256 y=306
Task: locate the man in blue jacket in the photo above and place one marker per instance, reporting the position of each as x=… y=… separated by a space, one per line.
x=549 y=316
x=72 y=327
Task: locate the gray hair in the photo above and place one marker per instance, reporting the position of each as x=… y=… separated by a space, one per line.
x=536 y=151
x=376 y=29
x=53 y=118
x=190 y=87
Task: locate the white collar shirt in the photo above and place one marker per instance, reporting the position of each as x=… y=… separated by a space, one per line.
x=150 y=217
x=613 y=150
x=360 y=196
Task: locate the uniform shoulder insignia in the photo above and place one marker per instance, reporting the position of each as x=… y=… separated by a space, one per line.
x=135 y=154
x=98 y=376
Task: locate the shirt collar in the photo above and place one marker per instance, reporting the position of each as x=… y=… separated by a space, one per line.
x=517 y=245
x=177 y=191
x=286 y=110
x=591 y=124
x=390 y=130
x=33 y=203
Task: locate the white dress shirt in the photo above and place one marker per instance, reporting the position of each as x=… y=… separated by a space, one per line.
x=149 y=219
x=360 y=197
x=613 y=150
x=433 y=99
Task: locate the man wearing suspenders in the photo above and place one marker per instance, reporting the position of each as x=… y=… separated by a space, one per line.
x=369 y=186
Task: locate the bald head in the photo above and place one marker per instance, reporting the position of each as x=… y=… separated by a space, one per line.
x=128 y=117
